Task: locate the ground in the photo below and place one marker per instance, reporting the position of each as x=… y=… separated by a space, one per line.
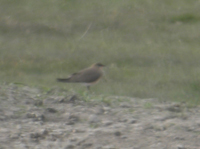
x=31 y=118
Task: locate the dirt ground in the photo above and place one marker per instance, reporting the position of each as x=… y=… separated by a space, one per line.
x=31 y=118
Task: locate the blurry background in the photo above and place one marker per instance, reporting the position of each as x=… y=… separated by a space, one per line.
x=151 y=47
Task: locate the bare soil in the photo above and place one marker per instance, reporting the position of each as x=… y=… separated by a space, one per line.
x=31 y=118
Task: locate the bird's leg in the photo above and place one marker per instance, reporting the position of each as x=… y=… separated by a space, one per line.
x=104 y=76
x=88 y=87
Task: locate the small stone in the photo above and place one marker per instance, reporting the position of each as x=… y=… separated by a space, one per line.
x=109 y=147
x=175 y=108
x=123 y=120
x=45 y=132
x=39 y=135
x=133 y=121
x=70 y=123
x=61 y=100
x=70 y=146
x=125 y=105
x=124 y=137
x=198 y=123
x=181 y=147
x=35 y=135
x=117 y=133
x=2 y=118
x=87 y=145
x=81 y=141
x=51 y=110
x=50 y=100
x=18 y=126
x=93 y=119
x=179 y=138
x=107 y=123
x=74 y=118
x=31 y=115
x=100 y=111
x=73 y=99
x=73 y=139
x=14 y=136
x=106 y=109
x=79 y=131
x=40 y=118
x=38 y=103
x=29 y=101
x=98 y=147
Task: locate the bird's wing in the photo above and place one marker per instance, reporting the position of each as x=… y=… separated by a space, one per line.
x=86 y=75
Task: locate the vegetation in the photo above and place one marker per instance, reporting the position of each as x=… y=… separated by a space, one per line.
x=150 y=47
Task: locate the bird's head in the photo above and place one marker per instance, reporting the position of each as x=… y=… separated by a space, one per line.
x=99 y=65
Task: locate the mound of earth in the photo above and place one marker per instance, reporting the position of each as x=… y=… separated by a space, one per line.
x=31 y=118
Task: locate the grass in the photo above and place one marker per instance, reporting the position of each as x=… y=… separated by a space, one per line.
x=150 y=47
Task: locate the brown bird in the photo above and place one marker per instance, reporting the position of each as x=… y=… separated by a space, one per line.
x=87 y=76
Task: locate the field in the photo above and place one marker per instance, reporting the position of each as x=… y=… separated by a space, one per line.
x=149 y=98
x=150 y=47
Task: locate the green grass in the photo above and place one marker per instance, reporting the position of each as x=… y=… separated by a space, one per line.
x=150 y=47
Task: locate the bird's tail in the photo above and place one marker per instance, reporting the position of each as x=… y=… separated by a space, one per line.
x=63 y=80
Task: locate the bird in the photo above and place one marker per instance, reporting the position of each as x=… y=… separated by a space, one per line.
x=87 y=76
